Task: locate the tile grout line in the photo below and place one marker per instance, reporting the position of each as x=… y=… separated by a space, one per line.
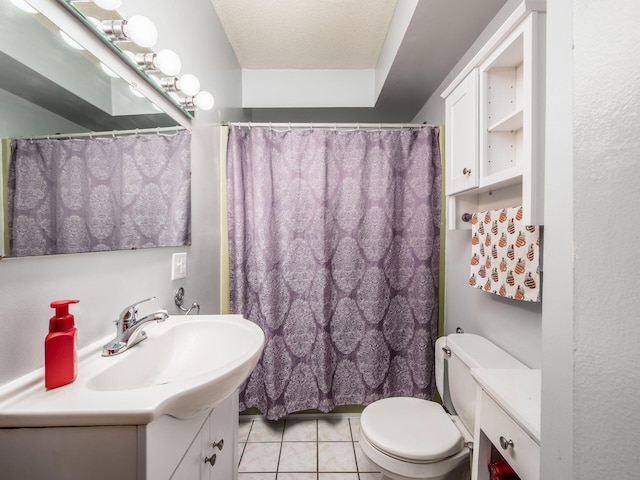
x=353 y=447
x=244 y=444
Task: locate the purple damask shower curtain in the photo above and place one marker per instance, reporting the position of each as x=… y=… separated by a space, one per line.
x=94 y=194
x=334 y=250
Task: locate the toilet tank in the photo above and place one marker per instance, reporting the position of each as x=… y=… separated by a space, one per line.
x=472 y=351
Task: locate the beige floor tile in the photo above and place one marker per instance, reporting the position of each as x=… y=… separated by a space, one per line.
x=297 y=476
x=256 y=476
x=355 y=428
x=266 y=431
x=336 y=457
x=334 y=430
x=364 y=464
x=240 y=451
x=301 y=431
x=369 y=476
x=338 y=476
x=298 y=457
x=243 y=430
x=260 y=457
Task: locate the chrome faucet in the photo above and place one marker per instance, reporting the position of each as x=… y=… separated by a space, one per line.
x=129 y=328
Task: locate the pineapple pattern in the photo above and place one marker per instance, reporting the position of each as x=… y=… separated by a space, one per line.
x=518 y=248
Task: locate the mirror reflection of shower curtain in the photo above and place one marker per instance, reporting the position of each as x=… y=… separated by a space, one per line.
x=96 y=194
x=334 y=251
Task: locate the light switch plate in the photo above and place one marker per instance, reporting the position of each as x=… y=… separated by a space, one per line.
x=179 y=265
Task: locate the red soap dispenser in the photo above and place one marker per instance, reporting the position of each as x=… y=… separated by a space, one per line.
x=60 y=352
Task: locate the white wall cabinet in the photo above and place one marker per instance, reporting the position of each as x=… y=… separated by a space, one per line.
x=167 y=448
x=495 y=123
x=461 y=136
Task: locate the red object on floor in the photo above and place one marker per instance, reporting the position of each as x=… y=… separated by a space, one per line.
x=501 y=470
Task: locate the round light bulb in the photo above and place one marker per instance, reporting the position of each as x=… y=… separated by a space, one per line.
x=168 y=62
x=204 y=100
x=189 y=84
x=141 y=31
x=108 y=4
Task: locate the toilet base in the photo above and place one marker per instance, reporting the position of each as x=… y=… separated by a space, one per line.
x=462 y=472
x=456 y=467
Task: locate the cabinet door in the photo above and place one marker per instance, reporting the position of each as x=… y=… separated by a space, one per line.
x=212 y=454
x=224 y=428
x=461 y=135
x=193 y=466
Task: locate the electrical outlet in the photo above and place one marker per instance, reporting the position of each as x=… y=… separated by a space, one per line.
x=178 y=265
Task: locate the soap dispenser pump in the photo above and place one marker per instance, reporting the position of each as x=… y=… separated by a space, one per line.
x=60 y=347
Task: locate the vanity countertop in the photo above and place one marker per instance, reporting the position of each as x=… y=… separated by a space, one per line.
x=518 y=392
x=187 y=365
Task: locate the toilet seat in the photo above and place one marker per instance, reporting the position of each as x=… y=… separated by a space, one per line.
x=411 y=430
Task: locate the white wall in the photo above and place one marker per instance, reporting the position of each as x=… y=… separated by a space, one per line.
x=107 y=282
x=605 y=109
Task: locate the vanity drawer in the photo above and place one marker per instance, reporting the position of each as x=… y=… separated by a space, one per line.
x=524 y=454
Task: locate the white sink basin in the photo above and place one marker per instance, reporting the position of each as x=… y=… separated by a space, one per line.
x=186 y=366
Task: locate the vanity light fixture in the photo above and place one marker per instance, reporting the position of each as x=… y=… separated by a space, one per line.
x=203 y=100
x=108 y=4
x=165 y=61
x=187 y=84
x=138 y=29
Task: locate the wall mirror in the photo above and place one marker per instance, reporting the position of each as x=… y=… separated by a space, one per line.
x=50 y=85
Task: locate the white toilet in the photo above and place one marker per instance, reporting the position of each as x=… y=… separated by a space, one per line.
x=410 y=438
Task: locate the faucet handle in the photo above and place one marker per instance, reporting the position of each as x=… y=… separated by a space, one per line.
x=130 y=312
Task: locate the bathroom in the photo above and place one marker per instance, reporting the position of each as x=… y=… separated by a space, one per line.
x=583 y=337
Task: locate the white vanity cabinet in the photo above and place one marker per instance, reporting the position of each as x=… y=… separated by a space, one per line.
x=166 y=448
x=494 y=133
x=212 y=454
x=507 y=418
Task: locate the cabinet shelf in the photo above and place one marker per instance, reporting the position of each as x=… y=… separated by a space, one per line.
x=510 y=123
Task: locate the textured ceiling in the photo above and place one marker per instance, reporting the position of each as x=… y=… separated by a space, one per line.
x=306 y=34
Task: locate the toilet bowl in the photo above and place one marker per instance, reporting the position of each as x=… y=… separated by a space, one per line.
x=411 y=438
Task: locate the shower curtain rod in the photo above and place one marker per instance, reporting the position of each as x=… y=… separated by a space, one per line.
x=334 y=125
x=107 y=133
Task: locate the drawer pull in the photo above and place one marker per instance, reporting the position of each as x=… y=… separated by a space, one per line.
x=504 y=443
x=219 y=444
x=466 y=171
x=210 y=460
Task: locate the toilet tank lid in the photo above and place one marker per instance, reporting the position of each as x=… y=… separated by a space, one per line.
x=478 y=352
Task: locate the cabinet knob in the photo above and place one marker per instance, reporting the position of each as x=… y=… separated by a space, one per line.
x=219 y=444
x=466 y=171
x=504 y=443
x=210 y=460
